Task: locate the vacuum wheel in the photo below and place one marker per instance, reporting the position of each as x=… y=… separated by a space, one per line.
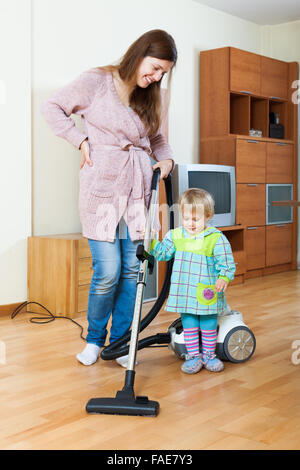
x=239 y=344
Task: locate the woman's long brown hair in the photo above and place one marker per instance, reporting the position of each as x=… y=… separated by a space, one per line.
x=146 y=102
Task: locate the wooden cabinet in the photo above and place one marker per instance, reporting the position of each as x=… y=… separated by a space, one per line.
x=240 y=262
x=238 y=91
x=255 y=247
x=59 y=273
x=280 y=163
x=278 y=244
x=274 y=78
x=240 y=88
x=250 y=161
x=236 y=237
x=245 y=71
x=251 y=204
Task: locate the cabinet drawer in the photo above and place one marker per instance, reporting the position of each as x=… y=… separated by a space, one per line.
x=274 y=78
x=278 y=244
x=83 y=295
x=250 y=161
x=279 y=163
x=84 y=248
x=240 y=262
x=85 y=271
x=251 y=204
x=255 y=243
x=244 y=71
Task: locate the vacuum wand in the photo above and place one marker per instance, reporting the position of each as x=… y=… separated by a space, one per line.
x=125 y=402
x=142 y=274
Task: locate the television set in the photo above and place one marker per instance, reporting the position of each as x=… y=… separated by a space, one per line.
x=219 y=180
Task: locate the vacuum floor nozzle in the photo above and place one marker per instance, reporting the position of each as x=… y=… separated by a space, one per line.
x=124 y=403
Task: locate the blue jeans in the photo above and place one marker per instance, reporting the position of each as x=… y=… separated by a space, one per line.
x=113 y=287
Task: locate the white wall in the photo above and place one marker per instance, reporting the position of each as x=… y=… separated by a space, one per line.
x=68 y=37
x=15 y=128
x=283 y=42
x=99 y=33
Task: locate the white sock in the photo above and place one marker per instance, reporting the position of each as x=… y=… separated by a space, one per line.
x=89 y=355
x=123 y=361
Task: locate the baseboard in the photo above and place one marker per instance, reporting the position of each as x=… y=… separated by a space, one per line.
x=7 y=310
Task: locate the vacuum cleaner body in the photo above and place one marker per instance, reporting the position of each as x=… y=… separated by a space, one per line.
x=235 y=341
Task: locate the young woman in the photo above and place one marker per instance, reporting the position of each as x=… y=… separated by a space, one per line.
x=121 y=109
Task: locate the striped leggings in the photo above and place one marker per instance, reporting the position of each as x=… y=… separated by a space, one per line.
x=208 y=326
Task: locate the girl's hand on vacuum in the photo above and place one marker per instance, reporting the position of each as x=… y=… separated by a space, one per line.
x=85 y=152
x=221 y=285
x=165 y=167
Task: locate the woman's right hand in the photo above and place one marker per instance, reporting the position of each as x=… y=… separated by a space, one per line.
x=85 y=153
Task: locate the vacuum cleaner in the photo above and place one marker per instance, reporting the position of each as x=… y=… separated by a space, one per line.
x=235 y=341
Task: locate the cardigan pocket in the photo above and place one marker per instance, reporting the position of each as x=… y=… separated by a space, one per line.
x=206 y=294
x=98 y=198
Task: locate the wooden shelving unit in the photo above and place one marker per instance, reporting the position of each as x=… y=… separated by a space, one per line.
x=238 y=91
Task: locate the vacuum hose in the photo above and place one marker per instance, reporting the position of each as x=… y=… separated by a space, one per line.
x=118 y=348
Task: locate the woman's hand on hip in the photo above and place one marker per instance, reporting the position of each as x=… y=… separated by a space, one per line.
x=85 y=153
x=165 y=167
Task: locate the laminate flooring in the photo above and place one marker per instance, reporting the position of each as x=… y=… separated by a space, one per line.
x=254 y=405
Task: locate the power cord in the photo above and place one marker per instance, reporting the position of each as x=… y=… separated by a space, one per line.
x=49 y=316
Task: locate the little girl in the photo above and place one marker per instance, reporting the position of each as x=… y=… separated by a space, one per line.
x=203 y=267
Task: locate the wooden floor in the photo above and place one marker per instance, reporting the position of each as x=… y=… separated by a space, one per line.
x=255 y=405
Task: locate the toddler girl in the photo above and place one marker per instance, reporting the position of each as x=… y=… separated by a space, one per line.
x=203 y=267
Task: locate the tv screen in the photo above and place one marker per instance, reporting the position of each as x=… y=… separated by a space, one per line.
x=217 y=184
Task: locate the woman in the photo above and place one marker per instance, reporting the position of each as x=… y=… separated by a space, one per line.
x=120 y=107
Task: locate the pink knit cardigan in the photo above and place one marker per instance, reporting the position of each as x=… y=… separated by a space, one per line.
x=118 y=184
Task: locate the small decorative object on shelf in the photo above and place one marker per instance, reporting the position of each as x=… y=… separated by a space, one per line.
x=276 y=130
x=255 y=133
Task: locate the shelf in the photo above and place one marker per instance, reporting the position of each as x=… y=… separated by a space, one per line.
x=259 y=115
x=239 y=113
x=235 y=236
x=281 y=109
x=262 y=139
x=232 y=227
x=262 y=97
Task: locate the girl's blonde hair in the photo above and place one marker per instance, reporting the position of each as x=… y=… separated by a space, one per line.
x=196 y=198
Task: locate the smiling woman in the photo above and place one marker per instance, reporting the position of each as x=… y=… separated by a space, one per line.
x=152 y=70
x=139 y=74
x=120 y=106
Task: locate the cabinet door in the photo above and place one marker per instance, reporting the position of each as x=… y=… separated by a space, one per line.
x=85 y=271
x=251 y=204
x=240 y=262
x=279 y=163
x=255 y=244
x=244 y=71
x=278 y=244
x=250 y=161
x=274 y=78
